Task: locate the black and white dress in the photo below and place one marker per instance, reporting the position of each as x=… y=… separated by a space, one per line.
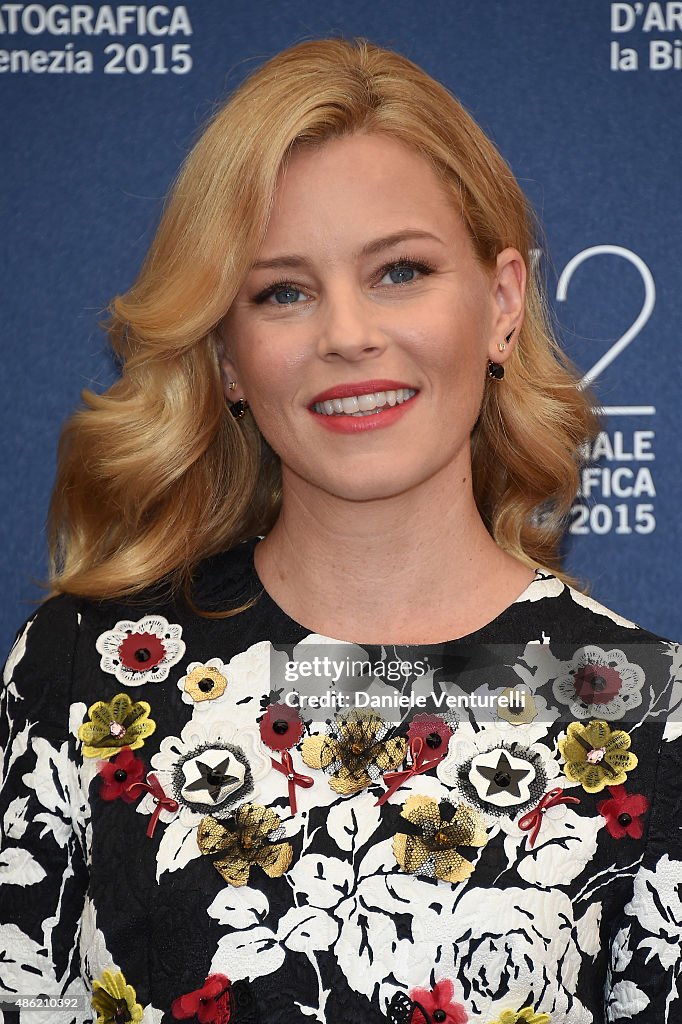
x=487 y=830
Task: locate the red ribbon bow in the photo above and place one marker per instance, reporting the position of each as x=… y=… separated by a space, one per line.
x=163 y=802
x=421 y=762
x=533 y=819
x=286 y=767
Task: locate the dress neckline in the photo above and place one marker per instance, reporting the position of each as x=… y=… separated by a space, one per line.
x=482 y=634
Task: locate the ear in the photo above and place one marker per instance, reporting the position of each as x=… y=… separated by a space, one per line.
x=230 y=374
x=509 y=294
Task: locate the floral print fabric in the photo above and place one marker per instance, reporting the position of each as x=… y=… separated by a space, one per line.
x=522 y=865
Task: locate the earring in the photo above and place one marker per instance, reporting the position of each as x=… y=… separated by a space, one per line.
x=495 y=370
x=238 y=408
x=232 y=385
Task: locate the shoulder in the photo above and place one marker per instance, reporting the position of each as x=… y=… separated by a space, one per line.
x=574 y=617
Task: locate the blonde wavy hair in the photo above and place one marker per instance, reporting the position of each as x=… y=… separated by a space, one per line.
x=155 y=474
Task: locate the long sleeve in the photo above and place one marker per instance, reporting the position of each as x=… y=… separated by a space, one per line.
x=43 y=875
x=645 y=976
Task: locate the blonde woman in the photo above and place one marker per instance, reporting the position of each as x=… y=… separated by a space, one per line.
x=343 y=436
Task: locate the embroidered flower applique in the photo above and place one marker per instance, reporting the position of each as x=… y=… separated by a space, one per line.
x=203 y=683
x=254 y=836
x=519 y=707
x=429 y=835
x=114 y=1001
x=281 y=727
x=428 y=737
x=600 y=682
x=119 y=774
x=210 y=1004
x=439 y=1003
x=433 y=730
x=498 y=777
x=118 y=723
x=427 y=1006
x=596 y=756
x=623 y=813
x=525 y=1016
x=209 y=769
x=141 y=652
x=355 y=752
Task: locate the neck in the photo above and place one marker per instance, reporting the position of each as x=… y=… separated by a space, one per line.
x=418 y=567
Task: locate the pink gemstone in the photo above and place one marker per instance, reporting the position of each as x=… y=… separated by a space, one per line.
x=597 y=755
x=117 y=730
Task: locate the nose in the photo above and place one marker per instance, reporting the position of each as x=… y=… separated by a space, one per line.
x=349 y=328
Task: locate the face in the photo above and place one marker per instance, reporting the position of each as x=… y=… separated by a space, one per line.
x=362 y=334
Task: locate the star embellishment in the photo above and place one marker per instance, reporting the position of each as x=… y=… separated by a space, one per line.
x=211 y=777
x=501 y=778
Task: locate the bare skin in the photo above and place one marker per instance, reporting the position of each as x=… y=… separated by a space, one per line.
x=367 y=275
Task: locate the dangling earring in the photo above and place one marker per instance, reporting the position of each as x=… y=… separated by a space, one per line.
x=496 y=370
x=238 y=408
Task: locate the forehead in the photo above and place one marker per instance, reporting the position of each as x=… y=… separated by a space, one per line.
x=358 y=185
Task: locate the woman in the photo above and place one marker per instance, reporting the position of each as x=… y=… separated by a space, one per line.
x=211 y=813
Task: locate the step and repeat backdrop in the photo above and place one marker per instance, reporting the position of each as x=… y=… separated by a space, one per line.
x=100 y=102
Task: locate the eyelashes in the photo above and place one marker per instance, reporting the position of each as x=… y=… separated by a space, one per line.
x=285 y=284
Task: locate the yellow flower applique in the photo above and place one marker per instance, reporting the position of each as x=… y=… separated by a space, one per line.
x=120 y=723
x=253 y=836
x=114 y=1000
x=596 y=756
x=525 y=1016
x=429 y=836
x=355 y=752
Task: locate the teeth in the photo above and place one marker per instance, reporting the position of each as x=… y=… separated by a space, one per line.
x=363 y=405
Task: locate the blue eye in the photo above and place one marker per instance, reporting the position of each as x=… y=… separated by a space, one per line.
x=401 y=274
x=404 y=270
x=286 y=295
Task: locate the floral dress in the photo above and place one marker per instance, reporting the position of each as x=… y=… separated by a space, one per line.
x=235 y=821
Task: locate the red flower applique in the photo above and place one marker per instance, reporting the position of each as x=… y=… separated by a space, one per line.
x=438 y=1003
x=597 y=684
x=210 y=1004
x=281 y=727
x=141 y=651
x=434 y=731
x=119 y=774
x=623 y=812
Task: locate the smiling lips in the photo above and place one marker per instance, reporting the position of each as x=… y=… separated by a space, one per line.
x=349 y=408
x=363 y=405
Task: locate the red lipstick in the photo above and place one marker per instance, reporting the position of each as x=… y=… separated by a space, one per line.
x=383 y=416
x=365 y=387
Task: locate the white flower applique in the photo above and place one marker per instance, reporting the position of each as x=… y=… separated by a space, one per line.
x=141 y=652
x=600 y=684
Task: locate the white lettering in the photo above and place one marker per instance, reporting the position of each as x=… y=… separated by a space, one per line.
x=12 y=11
x=180 y=22
x=81 y=19
x=57 y=19
x=642 y=441
x=622 y=18
x=654 y=18
x=623 y=58
x=664 y=55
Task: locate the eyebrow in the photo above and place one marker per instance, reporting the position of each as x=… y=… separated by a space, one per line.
x=370 y=249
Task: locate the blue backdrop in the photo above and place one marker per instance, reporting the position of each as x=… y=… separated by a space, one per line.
x=100 y=103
